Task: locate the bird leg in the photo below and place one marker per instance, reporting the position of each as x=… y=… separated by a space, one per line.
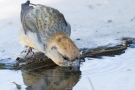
x=28 y=51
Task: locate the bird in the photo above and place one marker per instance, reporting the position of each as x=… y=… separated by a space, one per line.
x=46 y=30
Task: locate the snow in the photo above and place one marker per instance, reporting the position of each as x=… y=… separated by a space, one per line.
x=96 y=23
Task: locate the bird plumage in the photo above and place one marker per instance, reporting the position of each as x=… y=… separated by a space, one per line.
x=45 y=29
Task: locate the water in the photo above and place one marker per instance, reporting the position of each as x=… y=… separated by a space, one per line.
x=57 y=78
x=40 y=76
x=108 y=73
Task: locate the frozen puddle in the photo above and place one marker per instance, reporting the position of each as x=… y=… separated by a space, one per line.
x=109 y=73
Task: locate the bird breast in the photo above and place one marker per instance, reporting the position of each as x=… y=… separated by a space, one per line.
x=30 y=40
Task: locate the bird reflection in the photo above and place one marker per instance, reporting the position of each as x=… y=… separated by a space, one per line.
x=51 y=78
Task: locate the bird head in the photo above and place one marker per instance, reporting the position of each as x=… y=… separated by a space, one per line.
x=62 y=50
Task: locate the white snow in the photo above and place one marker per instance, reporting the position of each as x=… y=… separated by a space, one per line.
x=89 y=21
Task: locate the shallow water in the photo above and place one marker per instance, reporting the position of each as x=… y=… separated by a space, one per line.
x=54 y=78
x=108 y=73
x=57 y=78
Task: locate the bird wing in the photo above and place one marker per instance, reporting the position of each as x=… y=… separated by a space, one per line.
x=44 y=21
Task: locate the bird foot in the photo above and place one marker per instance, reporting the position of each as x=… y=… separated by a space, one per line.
x=28 y=51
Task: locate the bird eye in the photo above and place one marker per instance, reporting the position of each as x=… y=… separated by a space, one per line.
x=66 y=58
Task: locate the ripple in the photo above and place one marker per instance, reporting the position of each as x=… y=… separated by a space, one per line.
x=101 y=67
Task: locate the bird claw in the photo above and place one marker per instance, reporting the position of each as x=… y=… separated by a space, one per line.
x=24 y=51
x=28 y=51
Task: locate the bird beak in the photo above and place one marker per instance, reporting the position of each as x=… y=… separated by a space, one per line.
x=74 y=64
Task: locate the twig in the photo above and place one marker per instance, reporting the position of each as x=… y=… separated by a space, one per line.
x=17 y=85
